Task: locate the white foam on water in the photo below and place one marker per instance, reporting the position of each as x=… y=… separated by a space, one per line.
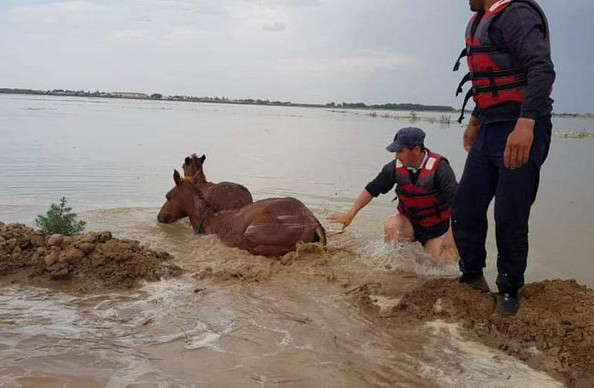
x=204 y=340
x=461 y=363
x=287 y=339
x=41 y=325
x=155 y=305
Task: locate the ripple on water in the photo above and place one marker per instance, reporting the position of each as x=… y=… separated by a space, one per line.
x=297 y=326
x=48 y=336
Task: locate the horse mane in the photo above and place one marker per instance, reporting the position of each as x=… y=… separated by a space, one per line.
x=198 y=193
x=208 y=208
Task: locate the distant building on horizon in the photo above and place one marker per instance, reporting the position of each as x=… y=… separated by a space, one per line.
x=129 y=95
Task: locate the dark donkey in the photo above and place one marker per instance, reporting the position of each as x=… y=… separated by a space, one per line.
x=222 y=196
x=270 y=227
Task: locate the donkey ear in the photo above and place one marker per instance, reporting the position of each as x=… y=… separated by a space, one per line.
x=202 y=158
x=176 y=178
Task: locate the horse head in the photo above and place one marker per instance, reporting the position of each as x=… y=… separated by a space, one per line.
x=180 y=199
x=193 y=167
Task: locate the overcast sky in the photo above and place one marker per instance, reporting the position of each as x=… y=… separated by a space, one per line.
x=373 y=51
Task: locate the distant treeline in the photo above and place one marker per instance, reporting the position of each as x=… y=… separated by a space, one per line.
x=575 y=115
x=80 y=93
x=248 y=101
x=393 y=106
x=225 y=100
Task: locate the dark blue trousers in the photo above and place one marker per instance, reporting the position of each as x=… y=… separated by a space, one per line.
x=486 y=177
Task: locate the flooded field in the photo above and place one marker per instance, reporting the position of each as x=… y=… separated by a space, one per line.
x=233 y=319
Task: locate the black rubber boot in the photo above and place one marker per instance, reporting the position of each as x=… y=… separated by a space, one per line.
x=508 y=304
x=476 y=281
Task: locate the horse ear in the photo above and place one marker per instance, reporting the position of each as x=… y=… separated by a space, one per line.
x=176 y=178
x=202 y=158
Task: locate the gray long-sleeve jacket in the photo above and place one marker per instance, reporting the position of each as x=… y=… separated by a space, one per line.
x=520 y=30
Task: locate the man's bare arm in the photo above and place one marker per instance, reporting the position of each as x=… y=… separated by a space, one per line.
x=346 y=219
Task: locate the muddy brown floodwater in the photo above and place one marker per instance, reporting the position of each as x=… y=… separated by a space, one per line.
x=353 y=314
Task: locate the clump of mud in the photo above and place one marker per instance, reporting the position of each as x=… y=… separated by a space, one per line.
x=239 y=265
x=83 y=263
x=553 y=331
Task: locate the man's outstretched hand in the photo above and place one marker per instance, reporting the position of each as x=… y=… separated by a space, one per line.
x=344 y=219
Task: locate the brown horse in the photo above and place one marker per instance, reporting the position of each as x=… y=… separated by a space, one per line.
x=270 y=227
x=222 y=196
x=194 y=167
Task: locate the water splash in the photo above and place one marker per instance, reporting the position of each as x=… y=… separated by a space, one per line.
x=407 y=257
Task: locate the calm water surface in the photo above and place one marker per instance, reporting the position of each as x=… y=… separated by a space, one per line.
x=114 y=159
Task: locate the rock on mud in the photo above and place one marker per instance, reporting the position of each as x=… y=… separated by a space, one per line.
x=88 y=262
x=55 y=240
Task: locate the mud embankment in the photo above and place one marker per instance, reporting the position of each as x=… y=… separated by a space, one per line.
x=553 y=331
x=83 y=263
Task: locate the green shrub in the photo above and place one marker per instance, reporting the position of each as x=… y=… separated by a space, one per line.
x=60 y=220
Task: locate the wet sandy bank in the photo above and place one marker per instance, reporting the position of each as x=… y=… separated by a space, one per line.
x=552 y=332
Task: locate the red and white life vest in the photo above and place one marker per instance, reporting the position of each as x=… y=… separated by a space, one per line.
x=419 y=201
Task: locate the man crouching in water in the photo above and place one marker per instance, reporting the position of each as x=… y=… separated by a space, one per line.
x=425 y=186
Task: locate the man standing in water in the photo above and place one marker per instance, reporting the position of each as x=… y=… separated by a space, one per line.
x=507 y=138
x=425 y=186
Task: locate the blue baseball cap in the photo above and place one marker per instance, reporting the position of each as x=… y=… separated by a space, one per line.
x=407 y=137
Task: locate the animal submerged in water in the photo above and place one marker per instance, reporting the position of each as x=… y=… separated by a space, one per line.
x=270 y=227
x=221 y=196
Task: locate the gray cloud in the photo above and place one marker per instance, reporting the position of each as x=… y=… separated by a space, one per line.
x=274 y=27
x=335 y=50
x=286 y=3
